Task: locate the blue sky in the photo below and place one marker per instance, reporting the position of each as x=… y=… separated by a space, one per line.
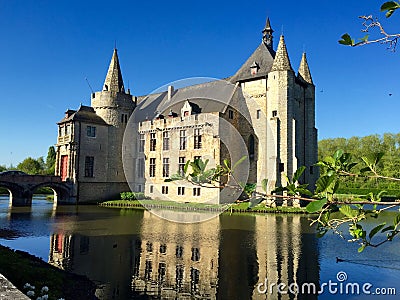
x=50 y=47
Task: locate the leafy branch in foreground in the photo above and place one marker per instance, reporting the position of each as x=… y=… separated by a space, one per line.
x=370 y=23
x=333 y=212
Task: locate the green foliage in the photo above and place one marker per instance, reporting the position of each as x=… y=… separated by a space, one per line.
x=3 y=168
x=293 y=188
x=346 y=40
x=197 y=173
x=390 y=7
x=50 y=160
x=133 y=196
x=31 y=166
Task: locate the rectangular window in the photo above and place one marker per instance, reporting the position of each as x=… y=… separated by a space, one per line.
x=181 y=166
x=311 y=170
x=281 y=167
x=274 y=113
x=166 y=140
x=61 y=131
x=124 y=118
x=164 y=190
x=91 y=131
x=197 y=138
x=89 y=164
x=153 y=141
x=182 y=140
x=140 y=166
x=68 y=130
x=230 y=114
x=141 y=142
x=181 y=190
x=165 y=167
x=152 y=170
x=196 y=191
x=151 y=189
x=258 y=113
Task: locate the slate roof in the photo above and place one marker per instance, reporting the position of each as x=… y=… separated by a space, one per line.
x=263 y=57
x=207 y=97
x=85 y=114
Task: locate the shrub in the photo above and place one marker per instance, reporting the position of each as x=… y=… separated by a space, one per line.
x=133 y=196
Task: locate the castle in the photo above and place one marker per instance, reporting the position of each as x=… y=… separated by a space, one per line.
x=124 y=142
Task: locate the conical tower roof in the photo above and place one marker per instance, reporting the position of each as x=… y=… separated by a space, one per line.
x=114 y=82
x=304 y=70
x=281 y=61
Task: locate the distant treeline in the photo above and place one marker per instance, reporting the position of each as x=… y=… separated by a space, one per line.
x=387 y=143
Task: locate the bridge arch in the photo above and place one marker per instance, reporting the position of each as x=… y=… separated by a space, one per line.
x=61 y=191
x=19 y=195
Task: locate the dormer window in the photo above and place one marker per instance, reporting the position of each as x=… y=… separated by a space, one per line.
x=254 y=68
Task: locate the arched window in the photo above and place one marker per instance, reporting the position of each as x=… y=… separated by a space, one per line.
x=251 y=147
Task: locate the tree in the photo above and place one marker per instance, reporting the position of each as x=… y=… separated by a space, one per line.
x=370 y=23
x=31 y=166
x=3 y=168
x=50 y=160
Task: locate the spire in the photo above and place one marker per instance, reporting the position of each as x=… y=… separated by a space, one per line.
x=114 y=82
x=281 y=61
x=267 y=35
x=304 y=70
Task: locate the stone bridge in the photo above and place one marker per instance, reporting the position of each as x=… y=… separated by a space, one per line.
x=22 y=187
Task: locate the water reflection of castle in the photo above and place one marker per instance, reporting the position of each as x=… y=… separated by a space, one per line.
x=224 y=258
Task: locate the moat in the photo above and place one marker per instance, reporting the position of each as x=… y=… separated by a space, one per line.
x=132 y=254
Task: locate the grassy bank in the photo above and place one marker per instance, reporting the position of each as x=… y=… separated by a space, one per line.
x=231 y=208
x=21 y=268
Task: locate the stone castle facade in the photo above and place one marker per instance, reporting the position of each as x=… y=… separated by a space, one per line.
x=123 y=142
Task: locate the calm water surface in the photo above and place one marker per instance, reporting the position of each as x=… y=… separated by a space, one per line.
x=133 y=254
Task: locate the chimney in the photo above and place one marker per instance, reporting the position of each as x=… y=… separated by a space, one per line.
x=170 y=92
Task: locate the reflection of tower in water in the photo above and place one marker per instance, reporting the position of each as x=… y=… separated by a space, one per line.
x=178 y=261
x=223 y=258
x=282 y=249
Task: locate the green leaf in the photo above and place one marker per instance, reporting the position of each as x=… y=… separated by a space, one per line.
x=304 y=192
x=346 y=40
x=226 y=163
x=185 y=168
x=396 y=220
x=315 y=206
x=388 y=228
x=364 y=39
x=239 y=162
x=376 y=229
x=324 y=182
x=361 y=249
x=264 y=184
x=298 y=173
x=348 y=211
x=338 y=154
x=390 y=8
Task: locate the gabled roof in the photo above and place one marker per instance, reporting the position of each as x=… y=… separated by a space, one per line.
x=84 y=114
x=263 y=56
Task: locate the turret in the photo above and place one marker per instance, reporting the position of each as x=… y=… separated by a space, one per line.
x=267 y=35
x=304 y=71
x=281 y=61
x=113 y=81
x=112 y=103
